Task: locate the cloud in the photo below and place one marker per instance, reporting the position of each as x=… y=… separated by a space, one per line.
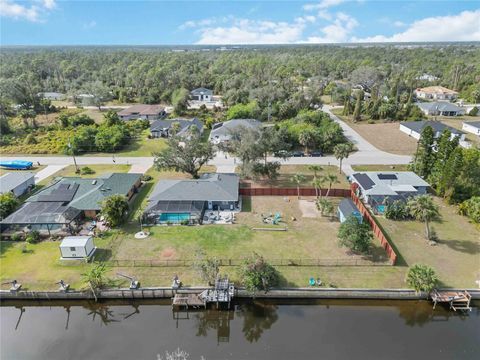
x=461 y=27
x=336 y=32
x=89 y=25
x=324 y=4
x=24 y=10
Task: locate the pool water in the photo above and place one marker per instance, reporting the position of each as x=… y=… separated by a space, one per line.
x=174 y=217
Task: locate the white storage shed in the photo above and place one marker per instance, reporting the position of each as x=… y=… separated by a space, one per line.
x=77 y=247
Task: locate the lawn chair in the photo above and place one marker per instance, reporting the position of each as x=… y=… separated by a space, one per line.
x=277 y=219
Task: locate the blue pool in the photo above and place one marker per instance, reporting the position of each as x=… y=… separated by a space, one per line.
x=174 y=217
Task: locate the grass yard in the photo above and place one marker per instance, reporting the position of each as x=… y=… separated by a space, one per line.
x=33 y=169
x=380 y=167
x=457 y=123
x=287 y=171
x=384 y=136
x=456 y=259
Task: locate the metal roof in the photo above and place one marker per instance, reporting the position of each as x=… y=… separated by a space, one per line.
x=210 y=187
x=165 y=124
x=437 y=126
x=389 y=182
x=439 y=106
x=11 y=180
x=201 y=91
x=75 y=241
x=348 y=207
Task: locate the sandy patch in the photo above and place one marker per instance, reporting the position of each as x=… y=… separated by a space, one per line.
x=168 y=253
x=308 y=208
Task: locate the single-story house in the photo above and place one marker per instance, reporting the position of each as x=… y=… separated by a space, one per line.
x=427 y=77
x=415 y=128
x=17 y=182
x=347 y=208
x=472 y=127
x=177 y=201
x=376 y=188
x=222 y=132
x=436 y=93
x=77 y=247
x=162 y=128
x=440 y=108
x=201 y=94
x=52 y=95
x=68 y=200
x=140 y=111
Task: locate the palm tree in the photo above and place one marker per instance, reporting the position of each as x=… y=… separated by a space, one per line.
x=342 y=151
x=317 y=184
x=422 y=208
x=316 y=169
x=331 y=179
x=298 y=179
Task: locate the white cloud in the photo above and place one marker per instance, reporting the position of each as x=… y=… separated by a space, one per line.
x=246 y=31
x=399 y=23
x=323 y=4
x=32 y=10
x=16 y=11
x=89 y=25
x=461 y=27
x=336 y=32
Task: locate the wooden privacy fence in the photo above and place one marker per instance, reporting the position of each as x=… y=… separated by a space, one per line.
x=377 y=230
x=239 y=262
x=292 y=192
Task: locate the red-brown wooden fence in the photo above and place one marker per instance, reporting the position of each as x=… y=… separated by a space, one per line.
x=377 y=231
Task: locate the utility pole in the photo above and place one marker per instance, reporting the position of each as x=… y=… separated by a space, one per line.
x=73 y=156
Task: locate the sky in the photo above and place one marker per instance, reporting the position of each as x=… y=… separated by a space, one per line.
x=157 y=22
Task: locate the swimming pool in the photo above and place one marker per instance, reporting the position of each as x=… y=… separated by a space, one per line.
x=174 y=217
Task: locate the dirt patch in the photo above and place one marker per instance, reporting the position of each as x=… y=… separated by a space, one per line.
x=168 y=253
x=308 y=208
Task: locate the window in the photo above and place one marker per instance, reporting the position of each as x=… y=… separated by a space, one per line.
x=72 y=249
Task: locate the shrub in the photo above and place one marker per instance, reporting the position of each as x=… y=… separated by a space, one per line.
x=355 y=235
x=396 y=210
x=207 y=268
x=184 y=222
x=16 y=237
x=471 y=208
x=114 y=208
x=421 y=278
x=257 y=274
x=30 y=139
x=8 y=203
x=474 y=111
x=86 y=171
x=146 y=177
x=33 y=237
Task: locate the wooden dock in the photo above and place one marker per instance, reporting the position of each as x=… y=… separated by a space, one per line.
x=187 y=301
x=222 y=294
x=458 y=300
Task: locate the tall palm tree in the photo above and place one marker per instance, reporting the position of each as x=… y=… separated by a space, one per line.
x=330 y=179
x=317 y=184
x=342 y=151
x=298 y=179
x=316 y=169
x=422 y=208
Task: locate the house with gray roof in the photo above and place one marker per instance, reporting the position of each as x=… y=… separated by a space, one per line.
x=163 y=128
x=142 y=111
x=178 y=201
x=472 y=127
x=440 y=108
x=17 y=183
x=201 y=94
x=377 y=188
x=68 y=200
x=222 y=132
x=415 y=128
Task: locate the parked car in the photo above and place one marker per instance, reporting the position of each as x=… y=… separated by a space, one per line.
x=298 y=154
x=282 y=153
x=317 y=153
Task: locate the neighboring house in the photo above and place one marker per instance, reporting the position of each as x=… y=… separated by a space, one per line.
x=436 y=93
x=377 y=188
x=440 y=108
x=472 y=127
x=62 y=205
x=222 y=132
x=415 y=128
x=52 y=95
x=177 y=201
x=17 y=183
x=426 y=77
x=162 y=128
x=347 y=208
x=85 y=99
x=202 y=94
x=146 y=112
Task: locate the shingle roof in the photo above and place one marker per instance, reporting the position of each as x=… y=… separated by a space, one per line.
x=141 y=109
x=225 y=128
x=159 y=125
x=436 y=90
x=389 y=182
x=10 y=181
x=348 y=207
x=475 y=124
x=437 y=126
x=439 y=106
x=210 y=187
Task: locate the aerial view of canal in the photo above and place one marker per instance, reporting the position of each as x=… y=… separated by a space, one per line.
x=254 y=330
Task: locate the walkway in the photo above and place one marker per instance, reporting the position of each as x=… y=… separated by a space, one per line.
x=48 y=171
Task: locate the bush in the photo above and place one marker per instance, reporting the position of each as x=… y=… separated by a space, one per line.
x=474 y=111
x=257 y=274
x=115 y=208
x=30 y=139
x=8 y=203
x=207 y=268
x=86 y=171
x=421 y=278
x=355 y=235
x=33 y=237
x=396 y=210
x=146 y=178
x=471 y=208
x=16 y=237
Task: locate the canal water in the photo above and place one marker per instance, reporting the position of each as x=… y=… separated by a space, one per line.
x=254 y=330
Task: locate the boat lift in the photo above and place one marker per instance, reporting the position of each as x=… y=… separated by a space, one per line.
x=134 y=283
x=15 y=285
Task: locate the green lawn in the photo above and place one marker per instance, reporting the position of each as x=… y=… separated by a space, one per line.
x=34 y=169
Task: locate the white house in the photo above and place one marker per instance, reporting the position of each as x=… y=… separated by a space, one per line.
x=436 y=93
x=17 y=182
x=472 y=127
x=222 y=132
x=202 y=94
x=440 y=108
x=427 y=77
x=52 y=95
x=145 y=112
x=77 y=247
x=415 y=128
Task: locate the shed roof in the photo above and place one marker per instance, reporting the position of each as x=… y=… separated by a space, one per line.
x=74 y=241
x=11 y=180
x=348 y=207
x=437 y=126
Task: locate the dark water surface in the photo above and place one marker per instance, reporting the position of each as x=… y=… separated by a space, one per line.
x=260 y=330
